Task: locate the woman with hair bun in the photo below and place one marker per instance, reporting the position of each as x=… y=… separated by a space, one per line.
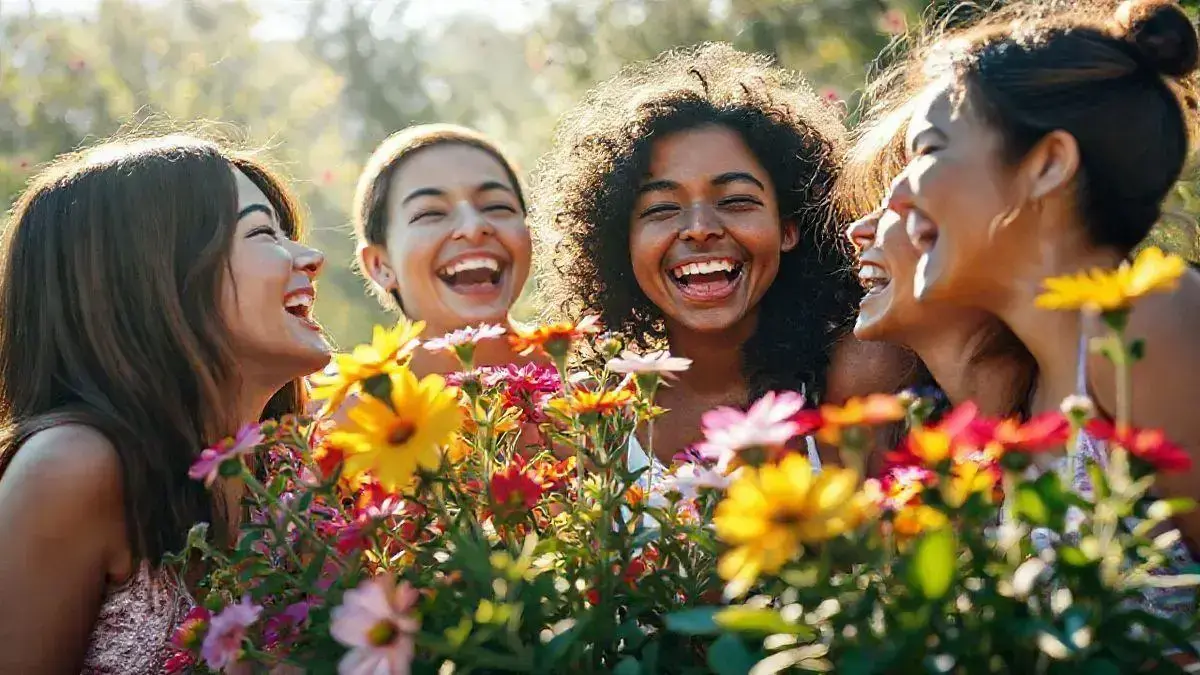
x=1043 y=143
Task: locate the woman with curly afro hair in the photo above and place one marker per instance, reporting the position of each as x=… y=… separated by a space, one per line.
x=687 y=201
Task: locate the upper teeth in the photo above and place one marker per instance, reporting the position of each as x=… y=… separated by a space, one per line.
x=704 y=267
x=872 y=273
x=471 y=264
x=302 y=299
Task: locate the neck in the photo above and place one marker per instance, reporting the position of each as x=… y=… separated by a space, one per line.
x=252 y=401
x=951 y=357
x=1052 y=337
x=717 y=361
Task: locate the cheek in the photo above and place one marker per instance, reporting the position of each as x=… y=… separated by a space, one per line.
x=412 y=255
x=258 y=276
x=515 y=239
x=647 y=246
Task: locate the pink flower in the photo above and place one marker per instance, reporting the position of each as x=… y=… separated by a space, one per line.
x=893 y=22
x=767 y=424
x=223 y=642
x=660 y=363
x=208 y=466
x=374 y=620
x=469 y=336
x=527 y=388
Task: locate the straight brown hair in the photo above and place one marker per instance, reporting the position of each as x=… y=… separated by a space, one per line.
x=111 y=268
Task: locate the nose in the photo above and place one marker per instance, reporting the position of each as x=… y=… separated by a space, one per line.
x=861 y=232
x=473 y=226
x=307 y=259
x=900 y=196
x=701 y=223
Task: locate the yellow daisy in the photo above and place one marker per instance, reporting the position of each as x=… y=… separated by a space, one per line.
x=1096 y=290
x=392 y=441
x=388 y=351
x=770 y=512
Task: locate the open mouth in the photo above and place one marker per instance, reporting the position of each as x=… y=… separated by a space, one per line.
x=921 y=231
x=707 y=280
x=874 y=279
x=475 y=275
x=299 y=304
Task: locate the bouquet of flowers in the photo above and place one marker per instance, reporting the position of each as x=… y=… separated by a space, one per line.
x=973 y=553
x=490 y=522
x=484 y=522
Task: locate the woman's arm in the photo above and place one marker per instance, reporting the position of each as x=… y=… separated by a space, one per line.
x=62 y=528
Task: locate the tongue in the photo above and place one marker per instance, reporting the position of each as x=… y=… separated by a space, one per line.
x=472 y=277
x=704 y=286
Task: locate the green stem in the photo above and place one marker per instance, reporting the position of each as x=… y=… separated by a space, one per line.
x=263 y=494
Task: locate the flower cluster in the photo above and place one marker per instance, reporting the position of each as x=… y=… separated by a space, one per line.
x=490 y=521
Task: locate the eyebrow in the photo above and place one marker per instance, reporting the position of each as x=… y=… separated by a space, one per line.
x=657 y=186
x=252 y=208
x=423 y=192
x=738 y=177
x=494 y=185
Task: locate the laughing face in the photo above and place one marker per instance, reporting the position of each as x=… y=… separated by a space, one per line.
x=956 y=198
x=268 y=301
x=457 y=248
x=705 y=236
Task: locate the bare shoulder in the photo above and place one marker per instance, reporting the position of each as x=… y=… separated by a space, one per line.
x=858 y=368
x=75 y=463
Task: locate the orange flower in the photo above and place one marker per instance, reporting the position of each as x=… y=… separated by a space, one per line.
x=831 y=420
x=635 y=494
x=582 y=402
x=553 y=340
x=554 y=475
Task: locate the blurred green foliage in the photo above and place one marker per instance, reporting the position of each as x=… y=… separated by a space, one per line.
x=356 y=70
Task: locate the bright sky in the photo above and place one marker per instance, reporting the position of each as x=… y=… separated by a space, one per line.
x=284 y=18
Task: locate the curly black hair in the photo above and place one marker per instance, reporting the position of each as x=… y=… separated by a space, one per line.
x=585 y=189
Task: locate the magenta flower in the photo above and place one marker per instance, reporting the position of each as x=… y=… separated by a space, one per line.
x=471 y=335
x=208 y=465
x=375 y=621
x=284 y=627
x=226 y=632
x=767 y=424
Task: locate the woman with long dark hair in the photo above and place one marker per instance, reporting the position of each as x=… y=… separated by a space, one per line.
x=687 y=201
x=154 y=298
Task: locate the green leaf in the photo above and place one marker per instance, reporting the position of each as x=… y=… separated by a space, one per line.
x=558 y=647
x=1028 y=505
x=1071 y=555
x=628 y=666
x=759 y=621
x=1137 y=350
x=698 y=621
x=728 y=656
x=931 y=569
x=1099 y=481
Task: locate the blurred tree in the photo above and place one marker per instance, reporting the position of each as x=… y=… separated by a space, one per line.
x=67 y=80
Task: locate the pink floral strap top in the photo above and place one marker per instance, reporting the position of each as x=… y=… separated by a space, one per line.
x=135 y=624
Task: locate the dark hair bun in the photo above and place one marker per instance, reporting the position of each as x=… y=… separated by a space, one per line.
x=1162 y=33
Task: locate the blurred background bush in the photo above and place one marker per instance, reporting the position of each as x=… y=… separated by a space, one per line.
x=318 y=83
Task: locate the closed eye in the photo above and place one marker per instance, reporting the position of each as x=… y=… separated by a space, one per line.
x=499 y=208
x=263 y=229
x=428 y=215
x=738 y=202
x=659 y=211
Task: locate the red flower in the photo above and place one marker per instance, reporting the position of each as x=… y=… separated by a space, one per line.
x=1047 y=431
x=179 y=663
x=190 y=632
x=1149 y=445
x=514 y=491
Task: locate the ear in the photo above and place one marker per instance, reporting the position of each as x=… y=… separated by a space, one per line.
x=373 y=260
x=791 y=236
x=1051 y=164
